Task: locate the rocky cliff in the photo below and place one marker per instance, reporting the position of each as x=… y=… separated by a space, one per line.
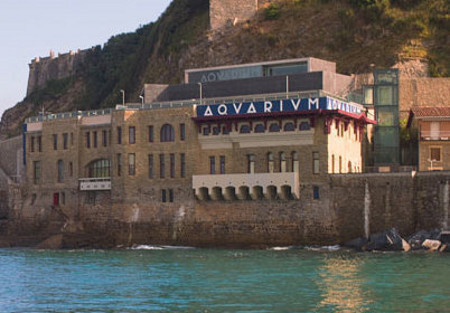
x=355 y=34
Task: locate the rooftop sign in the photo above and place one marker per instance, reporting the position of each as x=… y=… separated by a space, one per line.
x=277 y=106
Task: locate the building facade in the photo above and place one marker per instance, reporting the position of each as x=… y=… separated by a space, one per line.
x=260 y=138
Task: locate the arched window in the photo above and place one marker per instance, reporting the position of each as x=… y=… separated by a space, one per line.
x=260 y=128
x=304 y=126
x=99 y=168
x=167 y=133
x=289 y=127
x=275 y=127
x=245 y=129
x=270 y=163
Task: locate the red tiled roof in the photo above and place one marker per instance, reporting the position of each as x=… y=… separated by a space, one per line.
x=431 y=112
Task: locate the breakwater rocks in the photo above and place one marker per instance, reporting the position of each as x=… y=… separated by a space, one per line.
x=391 y=240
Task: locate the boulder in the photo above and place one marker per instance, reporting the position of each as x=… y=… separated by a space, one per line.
x=431 y=245
x=416 y=240
x=388 y=240
x=356 y=244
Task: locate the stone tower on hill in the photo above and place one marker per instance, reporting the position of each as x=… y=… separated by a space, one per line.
x=230 y=12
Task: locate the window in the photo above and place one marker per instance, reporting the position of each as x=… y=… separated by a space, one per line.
x=60 y=171
x=32 y=144
x=332 y=164
x=119 y=164
x=151 y=135
x=205 y=131
x=65 y=141
x=151 y=170
x=119 y=135
x=270 y=163
x=212 y=165
x=225 y=130
x=222 y=164
x=435 y=154
x=251 y=163
x=55 y=142
x=170 y=195
x=260 y=128
x=99 y=168
x=39 y=143
x=349 y=170
x=63 y=198
x=172 y=165
x=132 y=135
x=340 y=164
x=283 y=168
x=88 y=139
x=71 y=139
x=305 y=126
x=316 y=163
x=70 y=169
x=316 y=194
x=274 y=128
x=131 y=164
x=295 y=163
x=289 y=127
x=182 y=132
x=36 y=172
x=162 y=169
x=104 y=138
x=94 y=134
x=245 y=129
x=167 y=133
x=182 y=165
x=216 y=130
x=163 y=195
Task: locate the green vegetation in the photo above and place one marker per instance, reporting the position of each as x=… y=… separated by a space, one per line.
x=272 y=12
x=52 y=90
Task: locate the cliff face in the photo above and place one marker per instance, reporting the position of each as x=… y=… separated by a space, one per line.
x=355 y=34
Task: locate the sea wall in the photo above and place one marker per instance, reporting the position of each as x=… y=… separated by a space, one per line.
x=349 y=206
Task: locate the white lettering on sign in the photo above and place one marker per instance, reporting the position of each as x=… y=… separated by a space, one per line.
x=251 y=108
x=222 y=109
x=313 y=103
x=208 y=111
x=296 y=105
x=268 y=107
x=238 y=108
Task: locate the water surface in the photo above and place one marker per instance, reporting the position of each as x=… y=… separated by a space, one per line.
x=202 y=280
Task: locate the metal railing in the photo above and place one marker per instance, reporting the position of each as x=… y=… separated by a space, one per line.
x=66 y=115
x=435 y=135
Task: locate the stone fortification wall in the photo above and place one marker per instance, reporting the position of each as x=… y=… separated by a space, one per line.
x=54 y=67
x=11 y=156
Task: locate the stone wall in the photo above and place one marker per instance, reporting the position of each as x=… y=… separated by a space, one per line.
x=44 y=69
x=11 y=156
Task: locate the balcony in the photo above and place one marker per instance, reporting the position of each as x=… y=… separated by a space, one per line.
x=254 y=186
x=435 y=135
x=93 y=184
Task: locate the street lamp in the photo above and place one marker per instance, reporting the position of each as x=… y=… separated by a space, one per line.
x=123 y=96
x=201 y=92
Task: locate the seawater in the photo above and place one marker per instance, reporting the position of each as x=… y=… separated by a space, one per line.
x=160 y=279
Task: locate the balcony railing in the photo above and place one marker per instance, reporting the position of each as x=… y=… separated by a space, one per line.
x=435 y=135
x=99 y=183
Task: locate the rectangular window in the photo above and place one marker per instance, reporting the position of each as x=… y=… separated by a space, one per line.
x=132 y=134
x=163 y=195
x=162 y=168
x=435 y=154
x=182 y=165
x=39 y=143
x=212 y=165
x=172 y=165
x=55 y=142
x=251 y=163
x=151 y=170
x=151 y=137
x=88 y=139
x=105 y=138
x=222 y=164
x=131 y=164
x=60 y=171
x=119 y=135
x=65 y=141
x=94 y=134
x=316 y=194
x=182 y=132
x=32 y=144
x=63 y=198
x=316 y=163
x=70 y=169
x=71 y=139
x=119 y=164
x=36 y=171
x=170 y=195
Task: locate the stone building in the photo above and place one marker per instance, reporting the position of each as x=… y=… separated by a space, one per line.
x=270 y=131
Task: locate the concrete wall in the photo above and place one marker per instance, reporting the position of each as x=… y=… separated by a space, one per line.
x=11 y=156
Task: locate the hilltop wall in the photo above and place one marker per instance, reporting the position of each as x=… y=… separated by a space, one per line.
x=54 y=67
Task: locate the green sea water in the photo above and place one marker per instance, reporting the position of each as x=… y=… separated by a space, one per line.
x=204 y=280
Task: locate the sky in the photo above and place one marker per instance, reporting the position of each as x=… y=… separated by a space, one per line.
x=31 y=28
